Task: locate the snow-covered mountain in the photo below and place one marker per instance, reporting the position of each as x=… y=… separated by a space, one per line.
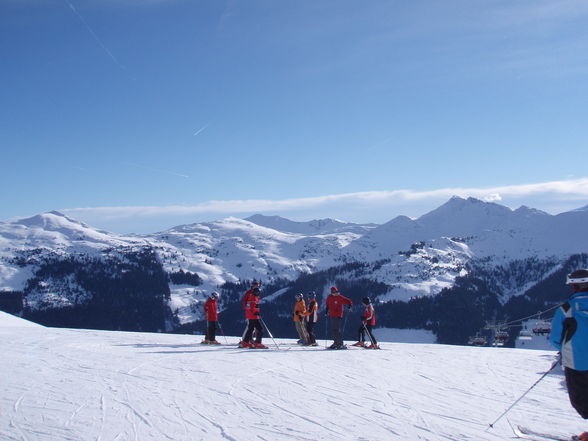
x=319 y=226
x=64 y=384
x=54 y=261
x=489 y=229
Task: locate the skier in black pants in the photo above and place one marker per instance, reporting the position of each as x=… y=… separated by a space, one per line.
x=368 y=321
x=253 y=316
x=244 y=301
x=311 y=318
x=335 y=302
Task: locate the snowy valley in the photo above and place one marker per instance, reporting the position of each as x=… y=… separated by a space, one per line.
x=500 y=263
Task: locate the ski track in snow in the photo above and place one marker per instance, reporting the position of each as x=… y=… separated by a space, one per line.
x=61 y=384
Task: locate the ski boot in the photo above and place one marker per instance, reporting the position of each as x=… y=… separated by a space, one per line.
x=213 y=342
x=359 y=343
x=259 y=346
x=245 y=344
x=205 y=342
x=372 y=346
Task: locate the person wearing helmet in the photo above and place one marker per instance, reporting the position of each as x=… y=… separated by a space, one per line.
x=368 y=321
x=311 y=318
x=253 y=315
x=335 y=302
x=211 y=312
x=299 y=315
x=569 y=334
x=244 y=301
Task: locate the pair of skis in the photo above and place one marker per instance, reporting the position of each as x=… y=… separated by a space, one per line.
x=525 y=433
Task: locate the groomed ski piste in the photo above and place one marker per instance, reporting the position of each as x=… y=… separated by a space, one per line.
x=66 y=384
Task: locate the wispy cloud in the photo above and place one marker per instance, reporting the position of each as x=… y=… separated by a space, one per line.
x=571 y=190
x=158 y=170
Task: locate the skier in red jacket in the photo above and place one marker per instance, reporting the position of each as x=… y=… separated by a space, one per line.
x=335 y=303
x=211 y=311
x=253 y=316
x=244 y=301
x=368 y=321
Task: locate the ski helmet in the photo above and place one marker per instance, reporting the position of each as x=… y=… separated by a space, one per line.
x=579 y=278
x=299 y=296
x=366 y=301
x=214 y=295
x=334 y=289
x=311 y=295
x=255 y=291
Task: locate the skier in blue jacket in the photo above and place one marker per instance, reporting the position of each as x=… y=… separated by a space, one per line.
x=569 y=334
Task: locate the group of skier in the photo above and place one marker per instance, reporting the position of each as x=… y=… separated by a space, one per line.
x=569 y=329
x=305 y=316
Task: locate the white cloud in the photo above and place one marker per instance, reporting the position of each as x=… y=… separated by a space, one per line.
x=570 y=190
x=494 y=197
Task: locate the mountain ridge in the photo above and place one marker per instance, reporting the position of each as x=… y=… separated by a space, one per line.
x=402 y=259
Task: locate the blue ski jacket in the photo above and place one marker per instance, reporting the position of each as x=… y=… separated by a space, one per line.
x=569 y=331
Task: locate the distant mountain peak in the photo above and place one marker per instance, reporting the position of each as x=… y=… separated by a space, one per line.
x=316 y=226
x=523 y=209
x=262 y=217
x=48 y=219
x=265 y=218
x=457 y=203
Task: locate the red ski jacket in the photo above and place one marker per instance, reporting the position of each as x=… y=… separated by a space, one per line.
x=211 y=310
x=335 y=305
x=369 y=315
x=245 y=298
x=252 y=308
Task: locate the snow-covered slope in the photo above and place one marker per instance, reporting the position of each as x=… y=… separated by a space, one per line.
x=26 y=242
x=10 y=321
x=78 y=385
x=55 y=230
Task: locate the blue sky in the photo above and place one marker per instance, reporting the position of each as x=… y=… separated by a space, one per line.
x=138 y=115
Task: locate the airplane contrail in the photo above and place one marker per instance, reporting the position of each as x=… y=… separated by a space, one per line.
x=159 y=170
x=94 y=35
x=197 y=132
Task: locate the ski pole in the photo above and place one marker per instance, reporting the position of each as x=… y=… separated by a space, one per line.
x=555 y=363
x=345 y=323
x=268 y=331
x=222 y=332
x=326 y=329
x=368 y=333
